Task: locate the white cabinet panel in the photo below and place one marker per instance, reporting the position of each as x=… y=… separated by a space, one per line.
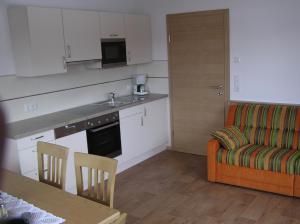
x=132 y=136
x=76 y=143
x=37 y=40
x=82 y=35
x=6 y=62
x=138 y=39
x=112 y=25
x=28 y=160
x=33 y=175
x=143 y=128
x=32 y=140
x=156 y=123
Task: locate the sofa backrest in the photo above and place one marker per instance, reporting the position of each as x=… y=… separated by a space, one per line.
x=272 y=125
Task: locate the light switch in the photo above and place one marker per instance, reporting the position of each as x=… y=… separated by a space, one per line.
x=236 y=83
x=236 y=60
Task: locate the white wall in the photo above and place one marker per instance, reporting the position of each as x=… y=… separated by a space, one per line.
x=12 y=87
x=264 y=34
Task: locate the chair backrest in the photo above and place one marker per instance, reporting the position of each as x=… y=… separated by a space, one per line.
x=121 y=219
x=52 y=164
x=267 y=124
x=101 y=175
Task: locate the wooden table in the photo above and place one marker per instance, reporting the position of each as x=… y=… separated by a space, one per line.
x=72 y=208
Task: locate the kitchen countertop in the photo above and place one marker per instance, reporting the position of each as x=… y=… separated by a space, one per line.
x=24 y=128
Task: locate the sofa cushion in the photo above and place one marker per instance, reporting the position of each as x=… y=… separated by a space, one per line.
x=230 y=137
x=263 y=158
x=272 y=125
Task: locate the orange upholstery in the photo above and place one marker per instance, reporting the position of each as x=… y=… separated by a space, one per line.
x=269 y=125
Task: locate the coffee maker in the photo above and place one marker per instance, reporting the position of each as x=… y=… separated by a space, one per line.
x=139 y=87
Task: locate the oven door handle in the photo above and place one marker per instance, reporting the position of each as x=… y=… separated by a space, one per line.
x=104 y=127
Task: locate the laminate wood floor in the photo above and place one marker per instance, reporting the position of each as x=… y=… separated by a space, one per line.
x=171 y=188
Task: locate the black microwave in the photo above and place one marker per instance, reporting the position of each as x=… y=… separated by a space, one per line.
x=113 y=52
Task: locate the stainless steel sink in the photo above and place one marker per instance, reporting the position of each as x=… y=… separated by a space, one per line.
x=121 y=101
x=110 y=104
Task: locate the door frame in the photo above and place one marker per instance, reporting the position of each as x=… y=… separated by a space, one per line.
x=225 y=12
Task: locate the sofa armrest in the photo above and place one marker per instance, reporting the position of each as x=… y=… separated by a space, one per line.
x=212 y=148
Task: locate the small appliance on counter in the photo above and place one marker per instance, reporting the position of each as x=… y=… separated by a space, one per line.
x=140 y=87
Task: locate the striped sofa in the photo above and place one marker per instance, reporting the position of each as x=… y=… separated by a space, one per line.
x=271 y=159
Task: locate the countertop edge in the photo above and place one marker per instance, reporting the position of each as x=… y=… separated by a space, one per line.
x=13 y=136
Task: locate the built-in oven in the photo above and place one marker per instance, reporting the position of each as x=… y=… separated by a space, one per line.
x=113 y=52
x=103 y=135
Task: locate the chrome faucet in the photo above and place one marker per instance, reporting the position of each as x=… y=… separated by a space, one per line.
x=112 y=97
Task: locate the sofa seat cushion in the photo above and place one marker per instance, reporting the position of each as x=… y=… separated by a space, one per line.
x=263 y=158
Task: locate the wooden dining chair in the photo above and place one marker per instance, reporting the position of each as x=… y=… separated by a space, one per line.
x=121 y=219
x=52 y=164
x=101 y=175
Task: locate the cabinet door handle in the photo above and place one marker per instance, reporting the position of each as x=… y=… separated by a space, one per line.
x=113 y=35
x=70 y=126
x=129 y=56
x=69 y=51
x=142 y=121
x=145 y=111
x=64 y=62
x=36 y=138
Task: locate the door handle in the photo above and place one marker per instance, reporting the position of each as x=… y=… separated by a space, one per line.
x=69 y=51
x=64 y=62
x=217 y=87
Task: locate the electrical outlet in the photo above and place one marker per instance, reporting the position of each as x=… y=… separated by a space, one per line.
x=30 y=107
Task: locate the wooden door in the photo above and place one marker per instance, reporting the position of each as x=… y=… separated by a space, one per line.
x=198 y=65
x=82 y=35
x=138 y=39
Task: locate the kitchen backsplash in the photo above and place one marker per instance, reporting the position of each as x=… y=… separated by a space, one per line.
x=24 y=98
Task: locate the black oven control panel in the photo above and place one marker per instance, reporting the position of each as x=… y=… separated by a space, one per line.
x=102 y=120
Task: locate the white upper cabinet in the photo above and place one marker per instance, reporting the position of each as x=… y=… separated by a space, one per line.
x=112 y=25
x=138 y=39
x=82 y=35
x=37 y=40
x=7 y=66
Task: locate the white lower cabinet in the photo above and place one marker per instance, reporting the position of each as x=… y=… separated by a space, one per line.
x=143 y=128
x=76 y=143
x=132 y=135
x=156 y=124
x=28 y=160
x=144 y=132
x=21 y=154
x=32 y=175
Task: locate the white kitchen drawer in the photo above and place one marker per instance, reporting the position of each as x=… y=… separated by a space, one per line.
x=132 y=111
x=28 y=160
x=32 y=175
x=31 y=141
